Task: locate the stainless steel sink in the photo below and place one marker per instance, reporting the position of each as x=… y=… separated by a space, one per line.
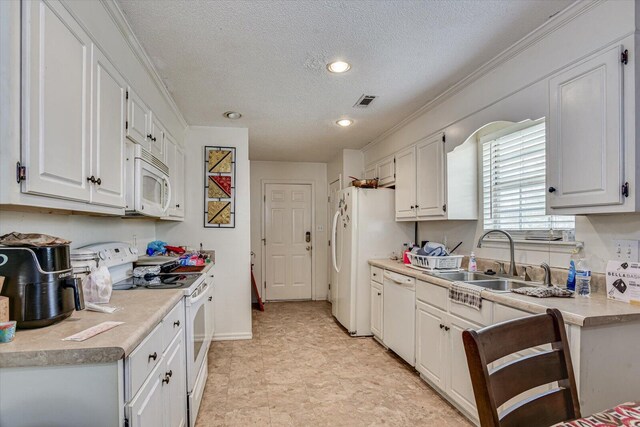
x=461 y=276
x=500 y=284
x=491 y=283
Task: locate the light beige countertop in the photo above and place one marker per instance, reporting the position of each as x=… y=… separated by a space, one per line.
x=586 y=312
x=141 y=310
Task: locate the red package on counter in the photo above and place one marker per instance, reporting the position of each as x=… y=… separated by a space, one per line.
x=175 y=249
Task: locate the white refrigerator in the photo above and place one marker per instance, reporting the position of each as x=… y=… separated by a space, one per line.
x=363 y=227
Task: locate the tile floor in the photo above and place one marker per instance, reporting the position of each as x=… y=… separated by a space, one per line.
x=302 y=369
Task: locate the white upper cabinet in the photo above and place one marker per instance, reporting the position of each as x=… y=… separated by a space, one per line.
x=386 y=171
x=56 y=104
x=138 y=120
x=158 y=143
x=406 y=183
x=434 y=185
x=585 y=143
x=430 y=178
x=370 y=172
x=175 y=162
x=108 y=131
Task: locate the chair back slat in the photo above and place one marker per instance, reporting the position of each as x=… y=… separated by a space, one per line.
x=540 y=411
x=511 y=379
x=507 y=338
x=529 y=372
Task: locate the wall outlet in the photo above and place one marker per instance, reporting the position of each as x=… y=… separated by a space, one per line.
x=626 y=250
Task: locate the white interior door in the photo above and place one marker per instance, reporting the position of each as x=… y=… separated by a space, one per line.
x=288 y=253
x=334 y=188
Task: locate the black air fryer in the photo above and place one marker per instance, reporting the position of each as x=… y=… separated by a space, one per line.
x=40 y=284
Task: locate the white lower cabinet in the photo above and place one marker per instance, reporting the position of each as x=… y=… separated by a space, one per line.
x=430 y=343
x=440 y=355
x=377 y=301
x=175 y=403
x=459 y=385
x=146 y=408
x=156 y=376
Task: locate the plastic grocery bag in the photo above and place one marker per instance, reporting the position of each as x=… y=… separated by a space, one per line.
x=97 y=286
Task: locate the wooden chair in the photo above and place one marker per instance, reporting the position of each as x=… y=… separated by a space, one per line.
x=493 y=388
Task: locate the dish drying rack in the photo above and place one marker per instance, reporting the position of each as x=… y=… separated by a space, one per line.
x=430 y=263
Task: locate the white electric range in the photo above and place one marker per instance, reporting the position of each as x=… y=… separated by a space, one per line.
x=120 y=258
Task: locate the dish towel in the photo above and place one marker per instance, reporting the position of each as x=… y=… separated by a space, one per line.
x=546 y=292
x=466 y=294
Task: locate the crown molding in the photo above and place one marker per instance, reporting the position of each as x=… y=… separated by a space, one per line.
x=121 y=22
x=556 y=22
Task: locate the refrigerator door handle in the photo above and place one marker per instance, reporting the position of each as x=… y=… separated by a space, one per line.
x=334 y=235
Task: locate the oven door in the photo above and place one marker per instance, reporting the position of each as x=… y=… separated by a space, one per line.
x=197 y=346
x=152 y=189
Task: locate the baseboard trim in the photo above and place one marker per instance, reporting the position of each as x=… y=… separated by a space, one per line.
x=232 y=336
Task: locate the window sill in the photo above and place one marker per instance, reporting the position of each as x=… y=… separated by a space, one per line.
x=534 y=245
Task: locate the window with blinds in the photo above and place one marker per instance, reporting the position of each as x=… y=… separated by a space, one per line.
x=513 y=178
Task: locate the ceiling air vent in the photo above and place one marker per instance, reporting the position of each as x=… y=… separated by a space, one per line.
x=365 y=101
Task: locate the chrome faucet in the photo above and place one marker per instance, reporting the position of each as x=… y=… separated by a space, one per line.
x=547 y=274
x=512 y=267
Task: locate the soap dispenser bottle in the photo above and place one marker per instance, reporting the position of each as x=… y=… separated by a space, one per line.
x=473 y=266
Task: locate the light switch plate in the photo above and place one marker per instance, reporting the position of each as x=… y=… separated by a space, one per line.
x=626 y=250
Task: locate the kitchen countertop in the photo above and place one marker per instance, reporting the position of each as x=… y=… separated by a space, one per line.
x=142 y=310
x=586 y=312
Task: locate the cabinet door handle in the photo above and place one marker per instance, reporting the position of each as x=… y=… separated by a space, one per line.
x=91 y=179
x=176 y=323
x=166 y=379
x=169 y=374
x=153 y=356
x=446 y=328
x=210 y=298
x=552 y=189
x=379 y=293
x=441 y=326
x=417 y=206
x=150 y=137
x=412 y=207
x=99 y=181
x=178 y=205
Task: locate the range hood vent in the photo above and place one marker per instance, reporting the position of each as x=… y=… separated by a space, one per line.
x=365 y=101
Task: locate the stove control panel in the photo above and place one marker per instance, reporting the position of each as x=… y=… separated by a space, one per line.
x=113 y=254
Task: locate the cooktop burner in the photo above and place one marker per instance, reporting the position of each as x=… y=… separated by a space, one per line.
x=163 y=281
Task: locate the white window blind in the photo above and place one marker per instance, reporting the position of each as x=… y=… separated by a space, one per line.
x=513 y=177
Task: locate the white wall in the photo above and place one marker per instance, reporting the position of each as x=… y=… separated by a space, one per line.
x=232 y=245
x=80 y=229
x=513 y=89
x=344 y=164
x=290 y=172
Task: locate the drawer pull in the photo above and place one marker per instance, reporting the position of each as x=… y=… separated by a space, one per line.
x=176 y=323
x=169 y=374
x=153 y=356
x=166 y=379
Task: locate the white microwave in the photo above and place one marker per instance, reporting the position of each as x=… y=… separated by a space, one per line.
x=148 y=186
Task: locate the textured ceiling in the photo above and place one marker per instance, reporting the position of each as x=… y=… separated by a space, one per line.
x=266 y=59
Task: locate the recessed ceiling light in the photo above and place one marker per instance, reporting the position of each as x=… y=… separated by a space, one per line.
x=338 y=67
x=344 y=122
x=233 y=115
